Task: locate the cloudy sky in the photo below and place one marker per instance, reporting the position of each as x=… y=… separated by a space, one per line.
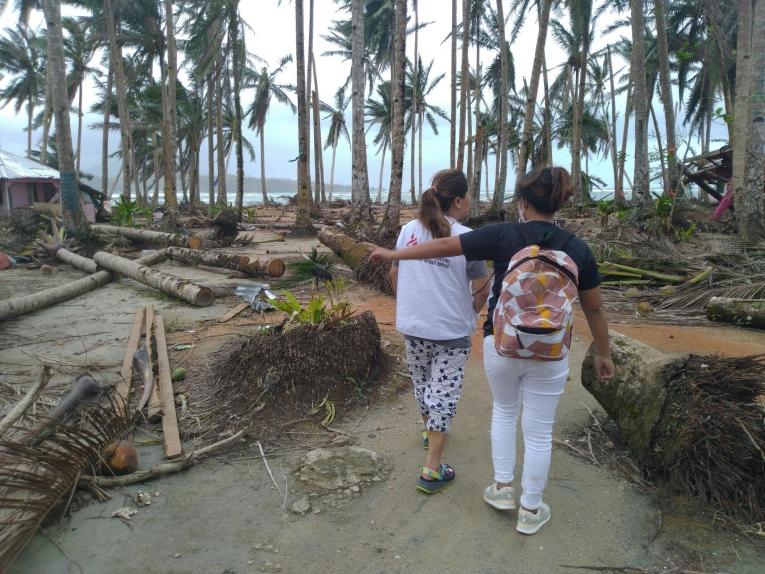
x=272 y=36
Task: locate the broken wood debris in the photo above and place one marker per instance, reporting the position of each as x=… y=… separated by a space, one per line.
x=170 y=432
x=155 y=405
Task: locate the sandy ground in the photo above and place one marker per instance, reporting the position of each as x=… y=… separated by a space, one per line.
x=225 y=517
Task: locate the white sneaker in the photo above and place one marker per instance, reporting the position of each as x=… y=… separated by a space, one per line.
x=499 y=498
x=530 y=522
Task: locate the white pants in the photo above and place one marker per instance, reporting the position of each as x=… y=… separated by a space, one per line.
x=537 y=385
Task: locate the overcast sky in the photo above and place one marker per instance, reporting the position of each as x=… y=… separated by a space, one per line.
x=272 y=36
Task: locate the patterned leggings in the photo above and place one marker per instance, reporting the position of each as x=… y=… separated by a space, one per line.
x=437 y=373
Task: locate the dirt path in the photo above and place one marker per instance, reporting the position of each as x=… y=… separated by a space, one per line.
x=225 y=517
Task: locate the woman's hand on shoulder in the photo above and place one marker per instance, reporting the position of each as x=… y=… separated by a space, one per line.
x=381 y=255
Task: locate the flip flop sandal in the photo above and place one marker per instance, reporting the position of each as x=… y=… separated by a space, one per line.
x=425 y=442
x=438 y=479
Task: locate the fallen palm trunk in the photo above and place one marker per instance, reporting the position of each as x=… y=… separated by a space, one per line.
x=34 y=479
x=272 y=267
x=146 y=235
x=355 y=254
x=742 y=312
x=18 y=306
x=175 y=286
x=694 y=421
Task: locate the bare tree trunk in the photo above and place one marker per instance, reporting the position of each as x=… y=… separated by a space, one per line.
x=475 y=206
x=743 y=89
x=360 y=174
x=415 y=101
x=393 y=210
x=263 y=165
x=612 y=127
x=79 y=133
x=464 y=81
x=469 y=140
x=319 y=176
x=531 y=98
x=126 y=132
x=303 y=218
x=673 y=176
x=317 y=137
x=582 y=193
x=662 y=162
x=453 y=77
x=641 y=183
x=30 y=116
x=74 y=219
x=105 y=129
x=419 y=152
x=619 y=186
x=47 y=115
x=382 y=169
x=237 y=71
x=310 y=63
x=499 y=187
x=332 y=172
x=750 y=212
x=157 y=166
x=222 y=171
x=210 y=146
x=548 y=115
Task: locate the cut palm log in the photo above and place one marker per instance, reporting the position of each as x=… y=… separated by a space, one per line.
x=142 y=235
x=175 y=286
x=742 y=312
x=172 y=438
x=17 y=306
x=271 y=267
x=90 y=266
x=355 y=254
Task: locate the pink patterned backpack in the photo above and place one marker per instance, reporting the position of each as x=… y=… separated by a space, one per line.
x=534 y=315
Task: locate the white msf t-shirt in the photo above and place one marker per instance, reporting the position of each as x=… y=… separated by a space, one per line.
x=433 y=296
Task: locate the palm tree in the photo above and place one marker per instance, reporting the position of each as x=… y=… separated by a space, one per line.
x=393 y=210
x=499 y=189
x=641 y=191
x=22 y=62
x=666 y=94
x=337 y=129
x=531 y=98
x=303 y=217
x=74 y=220
x=267 y=87
x=417 y=61
x=420 y=111
x=380 y=113
x=360 y=175
x=170 y=115
x=464 y=90
x=453 y=83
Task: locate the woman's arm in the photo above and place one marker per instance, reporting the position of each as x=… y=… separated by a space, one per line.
x=481 y=289
x=446 y=247
x=591 y=305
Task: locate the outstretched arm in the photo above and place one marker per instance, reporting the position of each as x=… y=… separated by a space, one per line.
x=446 y=247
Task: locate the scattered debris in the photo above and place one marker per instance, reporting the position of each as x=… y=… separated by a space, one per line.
x=124 y=513
x=142 y=499
x=339 y=469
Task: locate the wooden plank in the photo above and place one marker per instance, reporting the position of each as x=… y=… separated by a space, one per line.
x=234 y=312
x=172 y=438
x=126 y=373
x=155 y=404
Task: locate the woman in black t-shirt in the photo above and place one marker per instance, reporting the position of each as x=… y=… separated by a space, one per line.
x=536 y=385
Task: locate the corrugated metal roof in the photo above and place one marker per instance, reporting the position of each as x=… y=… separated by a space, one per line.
x=13 y=166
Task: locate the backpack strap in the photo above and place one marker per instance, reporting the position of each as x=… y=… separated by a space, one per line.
x=553 y=239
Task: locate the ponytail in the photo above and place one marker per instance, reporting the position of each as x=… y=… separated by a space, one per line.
x=447 y=185
x=432 y=216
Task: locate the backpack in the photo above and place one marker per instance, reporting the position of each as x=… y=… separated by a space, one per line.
x=534 y=315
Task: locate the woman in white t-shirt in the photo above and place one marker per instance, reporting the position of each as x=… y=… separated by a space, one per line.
x=437 y=301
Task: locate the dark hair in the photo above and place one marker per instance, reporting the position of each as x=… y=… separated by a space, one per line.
x=446 y=186
x=547 y=189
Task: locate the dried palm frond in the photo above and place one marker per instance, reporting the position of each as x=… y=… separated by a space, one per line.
x=696 y=299
x=33 y=479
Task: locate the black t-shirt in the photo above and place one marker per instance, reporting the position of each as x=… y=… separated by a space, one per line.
x=500 y=241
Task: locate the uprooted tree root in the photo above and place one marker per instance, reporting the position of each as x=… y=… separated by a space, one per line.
x=283 y=375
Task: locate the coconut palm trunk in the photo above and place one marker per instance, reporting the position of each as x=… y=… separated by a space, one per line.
x=263 y=165
x=360 y=174
x=74 y=219
x=464 y=81
x=378 y=200
x=415 y=83
x=79 y=132
x=666 y=97
x=236 y=63
x=582 y=192
x=750 y=212
x=210 y=146
x=619 y=200
x=531 y=97
x=219 y=139
x=640 y=185
x=105 y=128
x=317 y=136
x=499 y=186
x=475 y=206
x=453 y=77
x=332 y=172
x=743 y=83
x=303 y=217
x=126 y=134
x=309 y=104
x=47 y=115
x=393 y=211
x=170 y=140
